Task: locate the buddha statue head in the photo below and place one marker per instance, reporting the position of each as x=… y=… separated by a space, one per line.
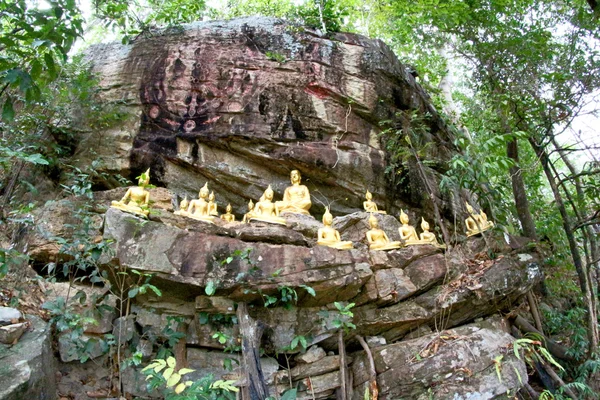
x=211 y=197
x=470 y=209
x=250 y=205
x=204 y=191
x=424 y=225
x=327 y=217
x=295 y=177
x=228 y=208
x=184 y=204
x=403 y=217
x=373 y=223
x=144 y=178
x=268 y=193
x=369 y=196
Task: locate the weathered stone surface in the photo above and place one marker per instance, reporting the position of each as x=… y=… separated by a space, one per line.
x=28 y=370
x=313 y=354
x=9 y=334
x=215 y=305
x=243 y=121
x=124 y=329
x=9 y=315
x=458 y=363
x=206 y=362
x=316 y=368
x=193 y=259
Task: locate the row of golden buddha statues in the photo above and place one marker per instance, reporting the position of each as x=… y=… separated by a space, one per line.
x=296 y=200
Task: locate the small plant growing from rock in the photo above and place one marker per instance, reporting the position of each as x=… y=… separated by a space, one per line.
x=165 y=376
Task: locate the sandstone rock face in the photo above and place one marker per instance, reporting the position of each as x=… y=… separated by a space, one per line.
x=27 y=369
x=241 y=103
x=454 y=364
x=401 y=294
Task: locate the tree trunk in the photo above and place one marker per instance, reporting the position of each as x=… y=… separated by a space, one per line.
x=251 y=332
x=521 y=202
x=584 y=283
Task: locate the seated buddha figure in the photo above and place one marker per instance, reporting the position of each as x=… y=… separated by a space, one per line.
x=328 y=236
x=296 y=198
x=212 y=205
x=370 y=206
x=137 y=198
x=476 y=222
x=377 y=238
x=266 y=211
x=250 y=212
x=198 y=208
x=429 y=237
x=228 y=216
x=407 y=232
x=182 y=207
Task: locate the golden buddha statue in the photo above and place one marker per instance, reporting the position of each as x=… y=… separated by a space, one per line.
x=136 y=200
x=228 y=216
x=377 y=238
x=212 y=205
x=296 y=198
x=250 y=212
x=267 y=211
x=476 y=222
x=429 y=237
x=407 y=232
x=328 y=236
x=370 y=206
x=182 y=207
x=198 y=208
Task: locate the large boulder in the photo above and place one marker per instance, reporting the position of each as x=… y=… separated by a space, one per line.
x=27 y=370
x=473 y=362
x=243 y=102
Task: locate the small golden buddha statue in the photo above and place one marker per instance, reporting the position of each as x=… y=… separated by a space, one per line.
x=182 y=207
x=296 y=198
x=407 y=232
x=429 y=237
x=250 y=212
x=267 y=211
x=198 y=208
x=370 y=206
x=136 y=200
x=328 y=236
x=212 y=205
x=476 y=222
x=377 y=238
x=228 y=216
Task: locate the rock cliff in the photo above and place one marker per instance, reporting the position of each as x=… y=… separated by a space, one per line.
x=239 y=104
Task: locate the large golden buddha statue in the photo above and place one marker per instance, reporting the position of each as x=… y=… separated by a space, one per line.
x=477 y=222
x=407 y=232
x=296 y=198
x=136 y=200
x=182 y=207
x=250 y=212
x=266 y=211
x=377 y=238
x=328 y=236
x=370 y=206
x=429 y=237
x=198 y=208
x=212 y=205
x=228 y=216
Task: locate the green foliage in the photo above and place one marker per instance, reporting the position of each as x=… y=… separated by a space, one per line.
x=162 y=374
x=34 y=43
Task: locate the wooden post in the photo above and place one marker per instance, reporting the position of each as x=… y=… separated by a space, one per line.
x=251 y=332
